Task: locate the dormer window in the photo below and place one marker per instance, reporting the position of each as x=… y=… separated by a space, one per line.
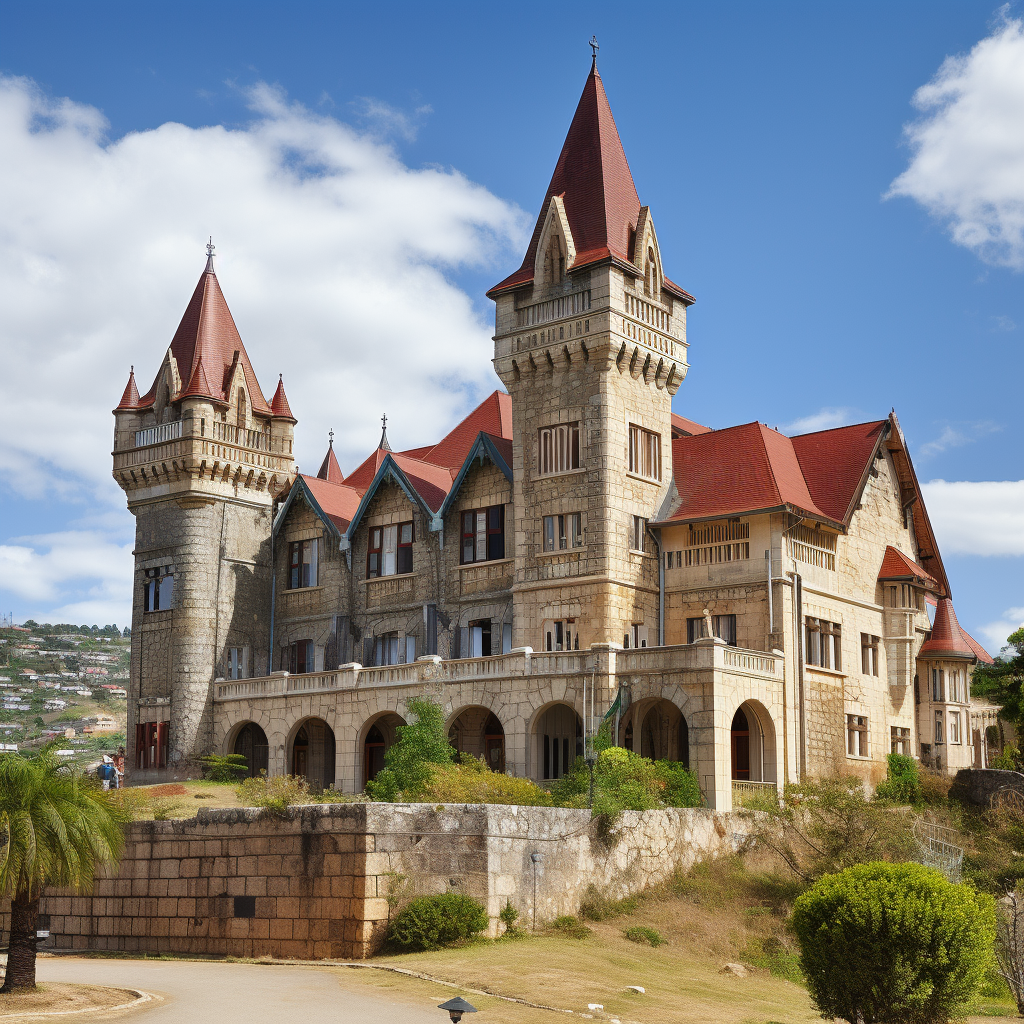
x=241 y=409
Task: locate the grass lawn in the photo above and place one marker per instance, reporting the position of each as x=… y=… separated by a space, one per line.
x=179 y=799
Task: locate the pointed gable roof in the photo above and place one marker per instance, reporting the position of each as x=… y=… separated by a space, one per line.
x=337 y=501
x=198 y=385
x=207 y=333
x=738 y=470
x=835 y=464
x=682 y=427
x=130 y=398
x=898 y=566
x=492 y=416
x=279 y=406
x=593 y=179
x=329 y=468
x=947 y=639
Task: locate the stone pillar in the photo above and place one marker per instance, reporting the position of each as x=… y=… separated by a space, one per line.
x=711 y=728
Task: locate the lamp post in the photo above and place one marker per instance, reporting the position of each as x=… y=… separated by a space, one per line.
x=456 y=1008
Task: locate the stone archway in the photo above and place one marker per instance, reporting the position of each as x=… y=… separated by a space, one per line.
x=752 y=743
x=664 y=734
x=558 y=741
x=251 y=742
x=476 y=731
x=312 y=753
x=379 y=733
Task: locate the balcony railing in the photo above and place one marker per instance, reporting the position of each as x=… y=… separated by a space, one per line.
x=159 y=434
x=257 y=440
x=745 y=792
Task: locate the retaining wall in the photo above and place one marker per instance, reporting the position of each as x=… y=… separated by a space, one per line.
x=322 y=881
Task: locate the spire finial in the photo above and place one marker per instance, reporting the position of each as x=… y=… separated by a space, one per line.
x=330 y=438
x=209 y=256
x=594 y=46
x=384 y=446
x=210 y=246
x=133 y=368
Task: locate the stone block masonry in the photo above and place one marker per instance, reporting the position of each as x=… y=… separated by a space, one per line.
x=322 y=881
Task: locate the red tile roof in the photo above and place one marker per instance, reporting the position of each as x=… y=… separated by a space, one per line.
x=432 y=483
x=130 y=398
x=947 y=639
x=682 y=427
x=279 y=406
x=207 y=332
x=738 y=470
x=835 y=464
x=898 y=566
x=338 y=501
x=198 y=385
x=329 y=468
x=983 y=656
x=593 y=178
x=492 y=416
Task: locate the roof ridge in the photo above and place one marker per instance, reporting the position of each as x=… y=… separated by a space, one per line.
x=845 y=426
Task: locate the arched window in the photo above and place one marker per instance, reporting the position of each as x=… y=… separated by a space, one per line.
x=554 y=261
x=651 y=276
x=241 y=409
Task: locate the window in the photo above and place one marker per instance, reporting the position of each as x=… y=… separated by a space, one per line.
x=823 y=644
x=638 y=535
x=938 y=727
x=900 y=738
x=709 y=543
x=938 y=685
x=954 y=727
x=389 y=550
x=869 y=654
x=151 y=745
x=559 y=449
x=303 y=564
x=386 y=648
x=902 y=596
x=958 y=687
x=636 y=637
x=240 y=418
x=479 y=639
x=158 y=589
x=483 y=534
x=563 y=532
x=856 y=736
x=561 y=635
x=815 y=547
x=410 y=648
x=644 y=452
x=238 y=662
x=724 y=627
x=298 y=657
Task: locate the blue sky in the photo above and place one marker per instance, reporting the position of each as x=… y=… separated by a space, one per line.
x=764 y=137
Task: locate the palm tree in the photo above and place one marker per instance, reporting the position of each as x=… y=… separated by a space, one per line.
x=56 y=828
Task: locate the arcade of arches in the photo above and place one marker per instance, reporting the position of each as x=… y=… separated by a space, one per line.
x=313 y=753
x=657 y=730
x=380 y=736
x=251 y=743
x=476 y=731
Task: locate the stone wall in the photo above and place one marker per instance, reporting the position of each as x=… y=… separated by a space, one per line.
x=979 y=786
x=322 y=881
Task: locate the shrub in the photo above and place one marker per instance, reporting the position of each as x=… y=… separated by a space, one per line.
x=430 y=922
x=893 y=944
x=680 y=788
x=1008 y=759
x=640 y=934
x=595 y=906
x=571 y=926
x=409 y=759
x=472 y=782
x=509 y=916
x=224 y=767
x=902 y=780
x=274 y=793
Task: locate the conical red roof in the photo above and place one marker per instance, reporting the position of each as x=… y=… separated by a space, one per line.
x=947 y=639
x=207 y=332
x=130 y=398
x=593 y=178
x=329 y=468
x=279 y=406
x=199 y=385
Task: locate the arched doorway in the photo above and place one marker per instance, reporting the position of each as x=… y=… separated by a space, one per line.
x=559 y=735
x=313 y=754
x=664 y=735
x=477 y=732
x=251 y=743
x=380 y=735
x=740 y=736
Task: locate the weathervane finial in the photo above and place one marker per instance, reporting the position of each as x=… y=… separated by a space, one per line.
x=210 y=246
x=594 y=46
x=384 y=446
x=330 y=438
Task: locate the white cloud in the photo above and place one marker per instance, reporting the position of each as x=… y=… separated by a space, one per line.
x=84 y=572
x=997 y=632
x=389 y=120
x=957 y=437
x=968 y=145
x=334 y=256
x=823 y=419
x=977 y=518
x=1003 y=323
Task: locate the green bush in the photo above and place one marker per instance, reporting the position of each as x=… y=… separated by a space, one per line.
x=1008 y=760
x=472 y=782
x=571 y=926
x=902 y=780
x=430 y=922
x=224 y=767
x=640 y=934
x=274 y=793
x=407 y=764
x=595 y=906
x=509 y=917
x=893 y=944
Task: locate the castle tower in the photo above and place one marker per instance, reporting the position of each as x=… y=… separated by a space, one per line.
x=201 y=458
x=590 y=341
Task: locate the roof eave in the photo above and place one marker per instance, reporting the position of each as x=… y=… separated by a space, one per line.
x=766 y=510
x=482 y=445
x=300 y=486
x=387 y=468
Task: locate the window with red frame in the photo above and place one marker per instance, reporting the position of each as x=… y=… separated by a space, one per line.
x=151 y=745
x=389 y=550
x=483 y=534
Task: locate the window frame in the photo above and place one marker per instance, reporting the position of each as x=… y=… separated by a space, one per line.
x=857 y=726
x=560 y=635
x=238 y=663
x=377 y=549
x=638 y=535
x=307 y=662
x=560 y=530
x=899 y=740
x=472 y=537
x=938 y=686
x=696 y=628
x=158 y=589
x=303 y=572
x=869 y=644
x=644 y=453
x=819 y=653
x=553 y=450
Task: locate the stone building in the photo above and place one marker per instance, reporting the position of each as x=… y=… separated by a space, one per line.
x=755 y=605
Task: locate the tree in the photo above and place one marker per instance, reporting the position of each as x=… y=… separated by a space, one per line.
x=893 y=944
x=1003 y=682
x=419 y=745
x=59 y=826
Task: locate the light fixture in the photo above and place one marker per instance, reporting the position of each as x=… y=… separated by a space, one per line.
x=456 y=1008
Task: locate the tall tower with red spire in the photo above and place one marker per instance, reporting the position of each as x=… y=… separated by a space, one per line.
x=201 y=457
x=590 y=341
